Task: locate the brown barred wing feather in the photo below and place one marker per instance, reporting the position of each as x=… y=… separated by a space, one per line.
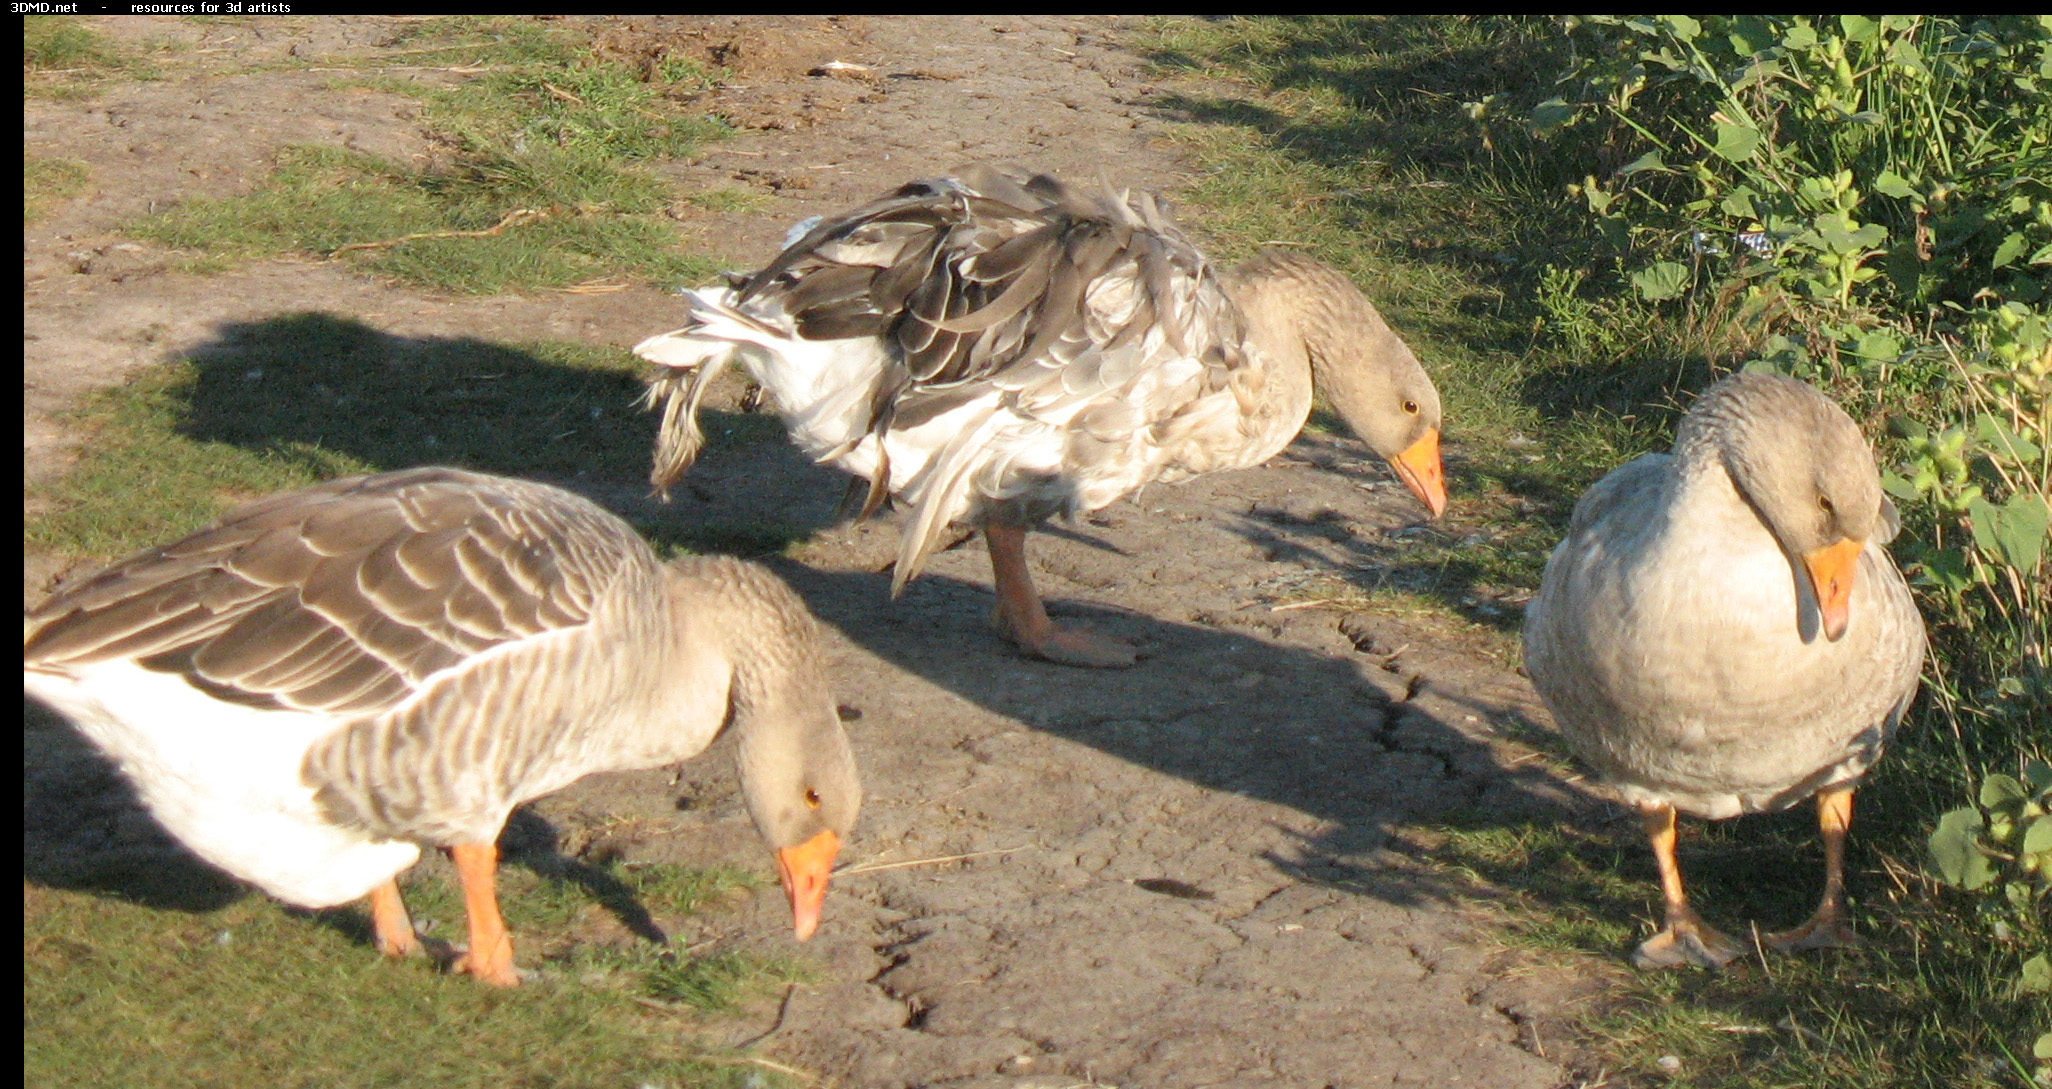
x=347 y=597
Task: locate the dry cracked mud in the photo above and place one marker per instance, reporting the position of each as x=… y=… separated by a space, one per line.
x=1190 y=873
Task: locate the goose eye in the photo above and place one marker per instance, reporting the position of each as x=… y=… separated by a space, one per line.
x=1411 y=407
x=811 y=798
x=1824 y=503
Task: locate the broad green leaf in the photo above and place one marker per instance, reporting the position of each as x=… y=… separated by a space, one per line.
x=1551 y=114
x=2037 y=837
x=1902 y=52
x=1840 y=233
x=1800 y=36
x=1993 y=432
x=2039 y=774
x=1736 y=143
x=1956 y=850
x=1662 y=281
x=2001 y=791
x=2009 y=250
x=2036 y=977
x=1858 y=28
x=1891 y=184
x=1685 y=28
x=1898 y=487
x=1948 y=571
x=1739 y=202
x=2043 y=1048
x=1879 y=344
x=2014 y=531
x=1649 y=161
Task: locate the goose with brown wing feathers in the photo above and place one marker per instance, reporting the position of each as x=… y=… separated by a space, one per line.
x=998 y=348
x=311 y=689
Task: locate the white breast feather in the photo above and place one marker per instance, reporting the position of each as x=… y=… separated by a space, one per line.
x=225 y=780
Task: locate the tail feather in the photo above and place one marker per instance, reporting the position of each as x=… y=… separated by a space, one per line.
x=948 y=480
x=690 y=359
x=678 y=437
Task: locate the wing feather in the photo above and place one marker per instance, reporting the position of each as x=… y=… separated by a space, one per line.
x=992 y=287
x=350 y=596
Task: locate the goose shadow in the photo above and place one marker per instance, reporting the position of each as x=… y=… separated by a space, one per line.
x=324 y=394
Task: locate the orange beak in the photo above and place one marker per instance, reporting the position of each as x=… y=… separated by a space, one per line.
x=1420 y=470
x=1831 y=579
x=804 y=870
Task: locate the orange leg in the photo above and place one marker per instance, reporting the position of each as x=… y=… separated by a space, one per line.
x=1685 y=938
x=1828 y=928
x=391 y=930
x=1022 y=619
x=491 y=948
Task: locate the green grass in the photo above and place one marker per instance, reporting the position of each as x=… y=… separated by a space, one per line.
x=117 y=993
x=47 y=182
x=542 y=185
x=292 y=400
x=60 y=41
x=1872 y=1016
x=1352 y=138
x=64 y=58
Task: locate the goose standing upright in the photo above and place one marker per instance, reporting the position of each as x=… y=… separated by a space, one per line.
x=310 y=689
x=1723 y=632
x=999 y=349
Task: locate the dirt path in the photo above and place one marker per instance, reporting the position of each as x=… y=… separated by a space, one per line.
x=1185 y=874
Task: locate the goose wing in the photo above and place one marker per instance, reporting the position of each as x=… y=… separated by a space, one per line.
x=349 y=597
x=1088 y=320
x=998 y=281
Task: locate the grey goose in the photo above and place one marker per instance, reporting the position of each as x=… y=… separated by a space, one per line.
x=998 y=348
x=1723 y=632
x=308 y=691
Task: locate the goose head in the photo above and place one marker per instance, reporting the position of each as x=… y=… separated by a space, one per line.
x=1301 y=309
x=1802 y=465
x=798 y=780
x=798 y=776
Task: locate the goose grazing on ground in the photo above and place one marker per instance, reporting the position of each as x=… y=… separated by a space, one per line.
x=1723 y=632
x=998 y=349
x=307 y=691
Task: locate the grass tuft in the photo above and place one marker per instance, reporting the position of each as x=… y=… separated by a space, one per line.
x=54 y=42
x=542 y=186
x=46 y=183
x=63 y=58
